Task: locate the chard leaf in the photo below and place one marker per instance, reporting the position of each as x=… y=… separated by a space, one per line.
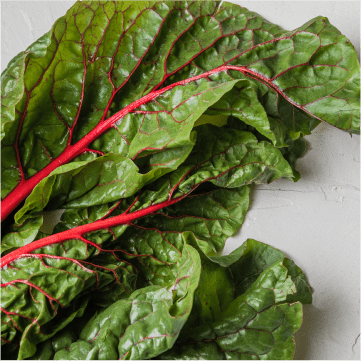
x=242 y=102
x=315 y=57
x=264 y=308
x=144 y=325
x=156 y=253
x=295 y=145
x=22 y=233
x=100 y=118
x=235 y=159
x=54 y=282
x=256 y=322
x=104 y=179
x=162 y=235
x=82 y=89
x=84 y=253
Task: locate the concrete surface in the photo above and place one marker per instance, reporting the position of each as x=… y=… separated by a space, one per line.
x=315 y=221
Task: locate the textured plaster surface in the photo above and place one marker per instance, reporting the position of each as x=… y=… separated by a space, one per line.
x=315 y=221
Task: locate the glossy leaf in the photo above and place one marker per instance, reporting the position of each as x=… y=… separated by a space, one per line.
x=296 y=145
x=112 y=177
x=100 y=119
x=22 y=233
x=154 y=245
x=38 y=288
x=311 y=73
x=161 y=236
x=235 y=159
x=215 y=308
x=144 y=325
x=254 y=322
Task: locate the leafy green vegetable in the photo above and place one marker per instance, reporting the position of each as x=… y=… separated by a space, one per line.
x=145 y=324
x=262 y=316
x=62 y=96
x=104 y=119
x=247 y=306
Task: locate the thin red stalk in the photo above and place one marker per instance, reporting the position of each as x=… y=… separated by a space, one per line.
x=77 y=232
x=23 y=189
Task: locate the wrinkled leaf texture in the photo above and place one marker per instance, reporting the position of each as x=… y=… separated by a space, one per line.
x=260 y=306
x=220 y=177
x=115 y=115
x=65 y=86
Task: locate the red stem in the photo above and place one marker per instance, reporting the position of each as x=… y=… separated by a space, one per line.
x=24 y=188
x=21 y=191
x=77 y=232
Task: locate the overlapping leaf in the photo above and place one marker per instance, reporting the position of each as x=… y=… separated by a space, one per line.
x=85 y=70
x=22 y=233
x=54 y=282
x=297 y=66
x=247 y=306
x=144 y=325
x=258 y=322
x=235 y=159
x=153 y=246
x=160 y=129
x=108 y=101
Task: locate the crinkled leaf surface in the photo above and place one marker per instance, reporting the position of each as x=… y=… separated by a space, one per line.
x=255 y=323
x=22 y=233
x=263 y=310
x=53 y=282
x=108 y=101
x=296 y=145
x=235 y=158
x=161 y=236
x=144 y=325
x=61 y=90
x=153 y=245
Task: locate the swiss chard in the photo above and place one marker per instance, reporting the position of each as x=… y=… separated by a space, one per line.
x=246 y=307
x=62 y=101
x=101 y=122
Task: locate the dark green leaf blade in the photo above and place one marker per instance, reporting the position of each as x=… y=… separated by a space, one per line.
x=144 y=325
x=38 y=289
x=259 y=323
x=80 y=87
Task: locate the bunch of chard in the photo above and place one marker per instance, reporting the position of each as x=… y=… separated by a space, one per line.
x=146 y=125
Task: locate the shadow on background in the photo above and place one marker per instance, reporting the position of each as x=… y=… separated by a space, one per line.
x=304 y=335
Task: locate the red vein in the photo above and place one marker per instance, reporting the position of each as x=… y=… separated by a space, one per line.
x=76 y=233
x=24 y=188
x=30 y=284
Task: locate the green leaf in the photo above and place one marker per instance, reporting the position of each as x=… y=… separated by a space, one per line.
x=85 y=70
x=295 y=145
x=22 y=234
x=106 y=117
x=256 y=322
x=255 y=258
x=37 y=289
x=266 y=305
x=156 y=254
x=235 y=159
x=159 y=238
x=144 y=325
x=148 y=251
x=212 y=214
x=102 y=180
x=242 y=102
